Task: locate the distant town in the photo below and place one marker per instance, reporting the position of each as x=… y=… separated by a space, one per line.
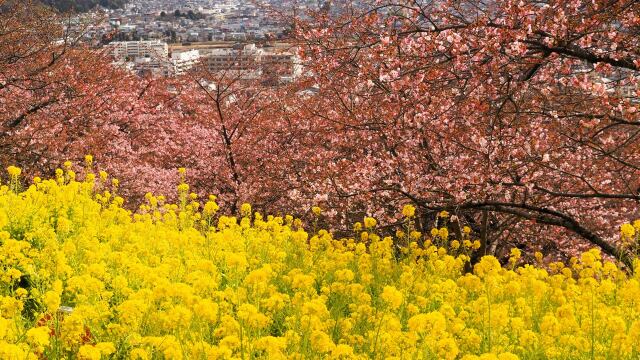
x=169 y=37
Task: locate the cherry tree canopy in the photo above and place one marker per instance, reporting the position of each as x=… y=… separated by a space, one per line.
x=504 y=113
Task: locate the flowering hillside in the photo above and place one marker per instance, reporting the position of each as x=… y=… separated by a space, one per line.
x=518 y=117
x=84 y=278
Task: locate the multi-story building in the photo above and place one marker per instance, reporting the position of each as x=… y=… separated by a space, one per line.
x=130 y=50
x=236 y=58
x=183 y=61
x=280 y=64
x=149 y=65
x=273 y=64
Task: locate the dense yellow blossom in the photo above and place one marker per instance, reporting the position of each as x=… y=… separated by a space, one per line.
x=84 y=278
x=14 y=171
x=369 y=222
x=408 y=211
x=627 y=230
x=245 y=209
x=392 y=297
x=38 y=337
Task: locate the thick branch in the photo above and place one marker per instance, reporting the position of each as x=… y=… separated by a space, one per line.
x=32 y=110
x=549 y=217
x=580 y=53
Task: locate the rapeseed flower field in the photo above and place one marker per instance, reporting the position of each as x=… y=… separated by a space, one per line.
x=84 y=278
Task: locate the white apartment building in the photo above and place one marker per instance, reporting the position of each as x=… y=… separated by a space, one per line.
x=130 y=50
x=183 y=61
x=274 y=64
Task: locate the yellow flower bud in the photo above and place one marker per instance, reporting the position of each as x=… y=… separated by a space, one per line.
x=369 y=222
x=14 y=171
x=408 y=211
x=245 y=209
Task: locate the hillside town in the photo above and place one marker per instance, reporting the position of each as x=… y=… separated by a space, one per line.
x=169 y=37
x=278 y=62
x=192 y=21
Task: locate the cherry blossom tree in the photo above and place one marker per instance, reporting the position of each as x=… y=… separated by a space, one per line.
x=232 y=140
x=58 y=98
x=517 y=117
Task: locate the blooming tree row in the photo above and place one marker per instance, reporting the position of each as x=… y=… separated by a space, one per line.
x=519 y=119
x=504 y=113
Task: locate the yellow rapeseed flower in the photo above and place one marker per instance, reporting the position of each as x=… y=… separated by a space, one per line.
x=52 y=301
x=369 y=222
x=408 y=211
x=245 y=209
x=321 y=342
x=89 y=352
x=392 y=297
x=166 y=281
x=39 y=337
x=14 y=171
x=627 y=231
